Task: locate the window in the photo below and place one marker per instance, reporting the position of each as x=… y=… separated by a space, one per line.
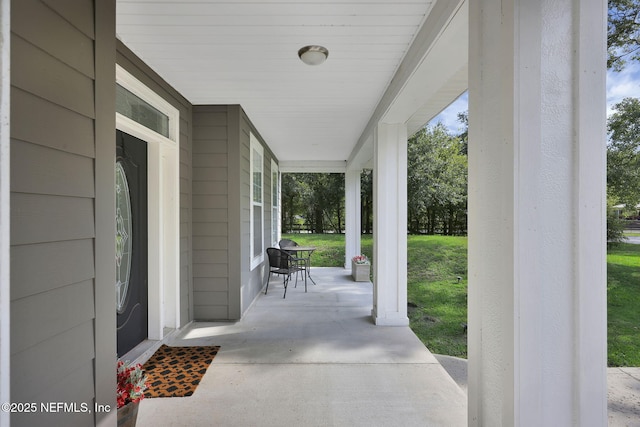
x=275 y=203
x=257 y=211
x=143 y=113
x=137 y=109
x=123 y=237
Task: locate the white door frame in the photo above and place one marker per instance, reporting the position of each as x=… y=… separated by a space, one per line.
x=163 y=166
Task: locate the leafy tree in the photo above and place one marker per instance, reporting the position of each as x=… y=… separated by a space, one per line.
x=463 y=117
x=615 y=227
x=623 y=33
x=325 y=201
x=623 y=162
x=366 y=199
x=293 y=193
x=436 y=182
x=623 y=153
x=316 y=197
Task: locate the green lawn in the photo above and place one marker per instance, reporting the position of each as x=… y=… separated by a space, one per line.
x=623 y=305
x=438 y=303
x=330 y=247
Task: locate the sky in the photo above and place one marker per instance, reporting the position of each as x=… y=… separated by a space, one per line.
x=619 y=86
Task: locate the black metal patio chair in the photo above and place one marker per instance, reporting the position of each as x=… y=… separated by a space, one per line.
x=282 y=263
x=288 y=243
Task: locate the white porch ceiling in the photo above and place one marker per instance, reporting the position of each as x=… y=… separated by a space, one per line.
x=245 y=52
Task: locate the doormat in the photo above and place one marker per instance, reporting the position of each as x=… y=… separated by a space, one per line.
x=177 y=371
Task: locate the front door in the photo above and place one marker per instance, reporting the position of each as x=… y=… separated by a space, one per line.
x=131 y=242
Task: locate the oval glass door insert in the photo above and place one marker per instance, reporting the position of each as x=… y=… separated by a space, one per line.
x=123 y=237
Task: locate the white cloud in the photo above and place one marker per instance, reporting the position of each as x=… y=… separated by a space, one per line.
x=622 y=85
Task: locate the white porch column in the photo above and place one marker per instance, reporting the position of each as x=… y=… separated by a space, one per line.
x=352 y=205
x=390 y=225
x=5 y=242
x=537 y=272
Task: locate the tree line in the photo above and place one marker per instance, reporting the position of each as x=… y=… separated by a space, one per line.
x=436 y=190
x=313 y=202
x=623 y=125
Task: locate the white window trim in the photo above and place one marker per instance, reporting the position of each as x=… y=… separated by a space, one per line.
x=163 y=166
x=275 y=209
x=255 y=145
x=136 y=87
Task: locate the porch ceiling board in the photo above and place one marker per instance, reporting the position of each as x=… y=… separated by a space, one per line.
x=245 y=52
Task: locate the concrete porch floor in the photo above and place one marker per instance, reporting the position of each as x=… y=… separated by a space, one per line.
x=313 y=359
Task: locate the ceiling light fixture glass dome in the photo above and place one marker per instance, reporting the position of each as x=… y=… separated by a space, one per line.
x=313 y=55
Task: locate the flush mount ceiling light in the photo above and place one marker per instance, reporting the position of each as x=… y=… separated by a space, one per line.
x=313 y=55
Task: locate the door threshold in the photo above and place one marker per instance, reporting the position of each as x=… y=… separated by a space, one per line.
x=143 y=351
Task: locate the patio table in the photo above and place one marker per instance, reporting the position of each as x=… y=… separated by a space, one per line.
x=306 y=249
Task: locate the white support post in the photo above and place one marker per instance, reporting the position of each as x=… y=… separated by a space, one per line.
x=5 y=338
x=352 y=215
x=537 y=271
x=390 y=225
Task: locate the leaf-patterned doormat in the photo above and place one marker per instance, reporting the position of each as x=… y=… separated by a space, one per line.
x=177 y=371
